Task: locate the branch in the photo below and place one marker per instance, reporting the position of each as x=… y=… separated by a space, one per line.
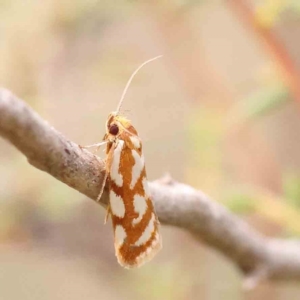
x=177 y=204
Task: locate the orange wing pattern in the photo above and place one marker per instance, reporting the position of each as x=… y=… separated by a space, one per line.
x=136 y=226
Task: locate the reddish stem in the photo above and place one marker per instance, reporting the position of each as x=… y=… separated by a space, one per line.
x=273 y=45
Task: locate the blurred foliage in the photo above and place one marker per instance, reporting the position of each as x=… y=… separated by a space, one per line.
x=291 y=187
x=268 y=12
x=254 y=201
x=240 y=203
x=277 y=210
x=260 y=103
x=162 y=286
x=7 y=222
x=77 y=16
x=59 y=204
x=295 y=5
x=205 y=131
x=266 y=101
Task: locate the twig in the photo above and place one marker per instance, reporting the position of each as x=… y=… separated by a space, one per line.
x=177 y=204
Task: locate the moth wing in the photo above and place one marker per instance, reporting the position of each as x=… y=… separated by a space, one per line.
x=136 y=227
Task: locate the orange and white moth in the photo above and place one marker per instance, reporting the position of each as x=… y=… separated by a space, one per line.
x=135 y=223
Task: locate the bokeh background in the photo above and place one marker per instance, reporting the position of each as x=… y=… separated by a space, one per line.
x=220 y=111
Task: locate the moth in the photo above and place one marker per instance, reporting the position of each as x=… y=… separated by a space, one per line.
x=135 y=223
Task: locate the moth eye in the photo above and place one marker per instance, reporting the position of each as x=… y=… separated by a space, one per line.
x=114 y=129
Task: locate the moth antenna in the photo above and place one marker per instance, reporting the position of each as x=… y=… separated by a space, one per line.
x=130 y=79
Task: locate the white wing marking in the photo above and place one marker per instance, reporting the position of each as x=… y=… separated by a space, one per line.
x=150 y=252
x=120 y=235
x=147 y=233
x=116 y=204
x=137 y=168
x=114 y=171
x=145 y=187
x=140 y=206
x=135 y=141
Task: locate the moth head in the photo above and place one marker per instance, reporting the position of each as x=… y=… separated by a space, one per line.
x=116 y=125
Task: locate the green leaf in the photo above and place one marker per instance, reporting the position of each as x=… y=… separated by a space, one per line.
x=240 y=203
x=266 y=101
x=291 y=188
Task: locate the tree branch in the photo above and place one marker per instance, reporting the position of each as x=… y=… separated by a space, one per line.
x=177 y=204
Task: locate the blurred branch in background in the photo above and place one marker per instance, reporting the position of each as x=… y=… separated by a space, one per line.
x=276 y=49
x=258 y=257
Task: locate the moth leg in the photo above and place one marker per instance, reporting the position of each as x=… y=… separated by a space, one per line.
x=108 y=163
x=102 y=187
x=108 y=212
x=98 y=145
x=94 y=145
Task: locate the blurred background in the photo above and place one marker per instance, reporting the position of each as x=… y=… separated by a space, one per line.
x=220 y=111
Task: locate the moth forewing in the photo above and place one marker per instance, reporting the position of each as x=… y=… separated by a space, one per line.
x=136 y=226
